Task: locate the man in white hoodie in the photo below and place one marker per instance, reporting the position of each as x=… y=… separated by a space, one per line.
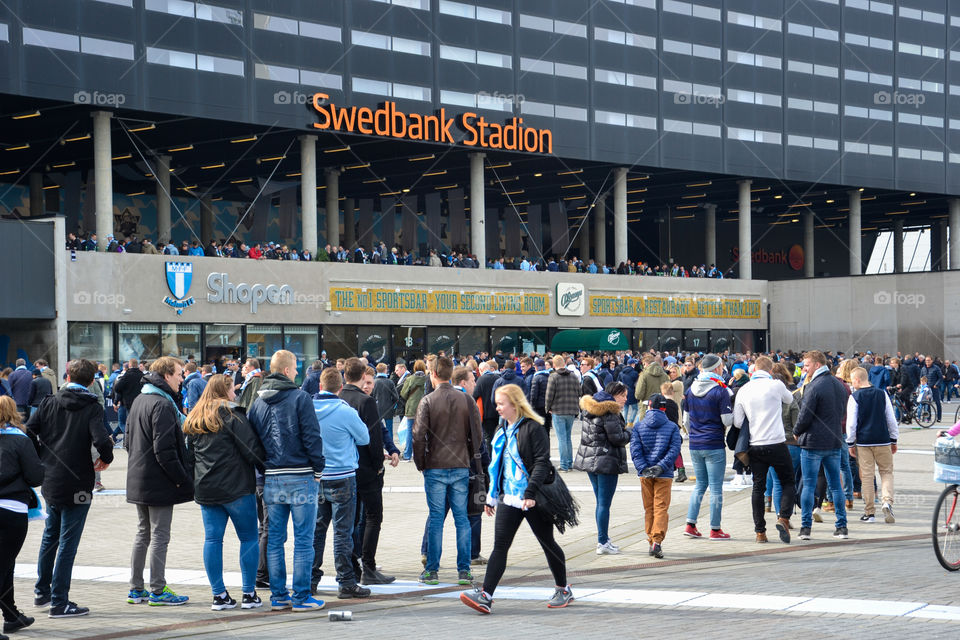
x=758 y=408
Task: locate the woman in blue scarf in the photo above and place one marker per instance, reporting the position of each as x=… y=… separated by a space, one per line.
x=520 y=465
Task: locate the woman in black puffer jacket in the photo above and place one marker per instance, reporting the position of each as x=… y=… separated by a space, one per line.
x=602 y=453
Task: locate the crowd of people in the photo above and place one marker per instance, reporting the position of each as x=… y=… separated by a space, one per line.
x=380 y=254
x=255 y=448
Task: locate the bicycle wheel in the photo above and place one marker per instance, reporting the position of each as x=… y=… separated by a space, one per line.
x=925 y=415
x=946 y=528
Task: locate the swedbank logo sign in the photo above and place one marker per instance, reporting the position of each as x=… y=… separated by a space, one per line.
x=387 y=120
x=571 y=299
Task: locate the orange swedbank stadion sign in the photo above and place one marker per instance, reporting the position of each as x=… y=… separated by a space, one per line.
x=387 y=120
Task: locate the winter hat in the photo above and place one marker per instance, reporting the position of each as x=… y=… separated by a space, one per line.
x=657 y=401
x=539 y=362
x=709 y=362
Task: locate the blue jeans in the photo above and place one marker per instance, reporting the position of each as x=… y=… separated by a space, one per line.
x=121 y=421
x=58 y=549
x=407 y=444
x=290 y=496
x=243 y=513
x=810 y=461
x=630 y=412
x=773 y=482
x=709 y=465
x=846 y=475
x=338 y=503
x=563 y=425
x=604 y=485
x=447 y=487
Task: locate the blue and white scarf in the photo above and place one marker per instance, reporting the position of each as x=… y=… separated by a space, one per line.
x=247 y=378
x=150 y=389
x=507 y=468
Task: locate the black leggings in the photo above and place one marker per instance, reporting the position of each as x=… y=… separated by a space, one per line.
x=13 y=531
x=507 y=522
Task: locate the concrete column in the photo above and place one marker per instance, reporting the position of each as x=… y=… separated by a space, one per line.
x=349 y=228
x=898 y=246
x=103 y=175
x=619 y=215
x=36 y=194
x=206 y=220
x=856 y=266
x=746 y=242
x=954 y=233
x=308 y=192
x=585 y=237
x=162 y=170
x=333 y=206
x=600 y=230
x=478 y=232
x=710 y=235
x=809 y=263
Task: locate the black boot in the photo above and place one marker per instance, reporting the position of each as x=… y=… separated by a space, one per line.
x=372 y=576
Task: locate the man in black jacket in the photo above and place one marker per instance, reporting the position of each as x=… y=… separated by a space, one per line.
x=820 y=436
x=40 y=389
x=369 y=474
x=125 y=389
x=484 y=390
x=934 y=375
x=64 y=428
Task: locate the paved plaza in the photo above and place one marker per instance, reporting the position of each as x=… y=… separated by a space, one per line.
x=882 y=582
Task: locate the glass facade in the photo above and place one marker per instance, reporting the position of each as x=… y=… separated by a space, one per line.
x=180 y=340
x=140 y=341
x=90 y=340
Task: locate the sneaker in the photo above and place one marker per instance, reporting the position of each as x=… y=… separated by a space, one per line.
x=251 y=601
x=262 y=584
x=375 y=577
x=167 y=598
x=464 y=578
x=691 y=531
x=429 y=577
x=221 y=603
x=478 y=561
x=817 y=515
x=41 y=602
x=841 y=532
x=281 y=603
x=69 y=610
x=718 y=534
x=804 y=533
x=887 y=510
x=561 y=598
x=356 y=591
x=656 y=550
x=681 y=475
x=98 y=487
x=612 y=545
x=477 y=599
x=783 y=529
x=868 y=518
x=606 y=549
x=310 y=604
x=136 y=596
x=22 y=621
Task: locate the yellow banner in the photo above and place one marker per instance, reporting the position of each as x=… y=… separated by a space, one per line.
x=419 y=301
x=660 y=307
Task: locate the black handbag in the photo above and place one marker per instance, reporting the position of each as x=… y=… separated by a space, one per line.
x=553 y=498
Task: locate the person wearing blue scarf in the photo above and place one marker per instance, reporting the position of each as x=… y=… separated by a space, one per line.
x=519 y=466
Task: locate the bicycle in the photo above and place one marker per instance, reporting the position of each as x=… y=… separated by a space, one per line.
x=922 y=411
x=946 y=513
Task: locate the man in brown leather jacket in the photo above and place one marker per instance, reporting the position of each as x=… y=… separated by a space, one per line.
x=446 y=436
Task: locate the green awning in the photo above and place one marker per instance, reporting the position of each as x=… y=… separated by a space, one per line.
x=589 y=340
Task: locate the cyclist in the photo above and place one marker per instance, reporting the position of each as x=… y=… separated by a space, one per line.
x=904 y=388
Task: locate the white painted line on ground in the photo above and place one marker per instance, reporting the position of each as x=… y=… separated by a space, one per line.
x=936 y=612
x=858 y=607
x=918 y=452
x=745 y=601
x=685 y=487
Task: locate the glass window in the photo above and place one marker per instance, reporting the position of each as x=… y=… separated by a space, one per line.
x=51 y=39
x=275 y=23
x=504 y=339
x=533 y=340
x=473 y=340
x=90 y=340
x=720 y=341
x=4 y=32
x=375 y=341
x=180 y=340
x=408 y=343
x=441 y=339
x=340 y=341
x=694 y=340
x=263 y=340
x=219 y=65
x=320 y=31
x=224 y=341
x=140 y=341
x=304 y=342
x=669 y=340
x=107 y=48
x=743 y=341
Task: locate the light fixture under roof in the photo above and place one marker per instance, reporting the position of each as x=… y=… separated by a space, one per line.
x=419 y=158
x=125 y=156
x=218 y=165
x=568 y=173
x=337 y=150
x=246 y=139
x=21 y=147
x=85 y=136
x=146 y=127
x=186 y=147
x=24 y=116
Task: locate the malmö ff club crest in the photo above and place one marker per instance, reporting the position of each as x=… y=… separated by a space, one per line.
x=179 y=277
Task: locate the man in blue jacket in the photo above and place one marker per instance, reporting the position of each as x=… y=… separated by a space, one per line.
x=20 y=382
x=193 y=386
x=654 y=446
x=879 y=374
x=872 y=433
x=934 y=376
x=286 y=421
x=820 y=436
x=343 y=431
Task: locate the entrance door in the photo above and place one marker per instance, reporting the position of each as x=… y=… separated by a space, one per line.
x=223 y=341
x=408 y=343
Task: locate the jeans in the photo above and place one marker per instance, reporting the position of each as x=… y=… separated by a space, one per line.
x=243 y=513
x=58 y=549
x=762 y=459
x=507 y=522
x=563 y=425
x=406 y=444
x=709 y=465
x=630 y=412
x=846 y=475
x=447 y=487
x=290 y=496
x=604 y=485
x=810 y=462
x=262 y=526
x=936 y=401
x=476 y=526
x=153 y=536
x=13 y=531
x=337 y=503
x=950 y=390
x=774 y=490
x=121 y=421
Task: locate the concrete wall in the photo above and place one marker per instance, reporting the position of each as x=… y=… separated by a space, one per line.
x=886 y=313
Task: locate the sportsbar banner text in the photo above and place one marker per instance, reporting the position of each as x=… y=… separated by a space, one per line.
x=659 y=307
x=419 y=301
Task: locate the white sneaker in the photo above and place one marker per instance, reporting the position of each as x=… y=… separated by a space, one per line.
x=817 y=517
x=606 y=550
x=612 y=545
x=887 y=511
